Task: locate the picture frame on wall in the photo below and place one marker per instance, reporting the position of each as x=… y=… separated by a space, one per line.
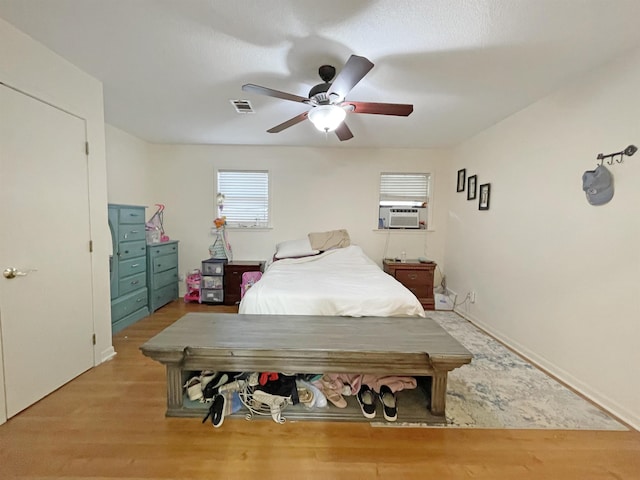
x=485 y=195
x=462 y=174
x=472 y=187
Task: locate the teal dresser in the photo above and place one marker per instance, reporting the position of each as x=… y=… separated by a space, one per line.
x=128 y=265
x=162 y=273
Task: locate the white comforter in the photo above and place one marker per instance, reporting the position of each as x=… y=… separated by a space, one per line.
x=342 y=282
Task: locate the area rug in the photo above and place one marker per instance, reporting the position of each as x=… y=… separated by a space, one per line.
x=499 y=389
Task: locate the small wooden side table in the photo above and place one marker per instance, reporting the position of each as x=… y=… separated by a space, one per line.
x=416 y=276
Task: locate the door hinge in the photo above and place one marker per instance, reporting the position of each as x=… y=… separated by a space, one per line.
x=86 y=147
x=90 y=246
x=93 y=338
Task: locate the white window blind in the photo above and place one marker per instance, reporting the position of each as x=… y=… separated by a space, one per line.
x=404 y=188
x=246 y=197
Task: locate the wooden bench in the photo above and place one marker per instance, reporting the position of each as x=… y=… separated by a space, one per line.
x=305 y=344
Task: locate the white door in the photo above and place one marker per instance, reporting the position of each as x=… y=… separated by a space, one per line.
x=46 y=320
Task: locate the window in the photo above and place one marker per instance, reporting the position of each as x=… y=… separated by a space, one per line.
x=404 y=200
x=243 y=197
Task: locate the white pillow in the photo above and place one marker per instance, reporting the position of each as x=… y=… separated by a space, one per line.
x=295 y=248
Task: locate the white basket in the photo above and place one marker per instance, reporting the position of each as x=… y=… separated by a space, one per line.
x=256 y=407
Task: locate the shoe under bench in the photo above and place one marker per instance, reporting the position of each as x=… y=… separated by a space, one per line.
x=308 y=344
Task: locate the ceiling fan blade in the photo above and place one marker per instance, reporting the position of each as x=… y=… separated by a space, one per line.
x=399 y=109
x=250 y=87
x=343 y=132
x=353 y=71
x=289 y=123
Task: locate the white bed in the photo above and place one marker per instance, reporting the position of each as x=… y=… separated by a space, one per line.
x=340 y=282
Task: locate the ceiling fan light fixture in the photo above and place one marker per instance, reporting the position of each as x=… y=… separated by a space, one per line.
x=327 y=118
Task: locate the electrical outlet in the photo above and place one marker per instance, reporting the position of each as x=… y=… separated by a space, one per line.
x=472 y=296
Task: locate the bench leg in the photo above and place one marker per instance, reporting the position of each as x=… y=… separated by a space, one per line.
x=174 y=388
x=439 y=393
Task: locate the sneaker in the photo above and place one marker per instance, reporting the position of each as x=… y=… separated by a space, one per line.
x=253 y=379
x=217 y=411
x=388 y=400
x=234 y=386
x=206 y=376
x=211 y=389
x=194 y=388
x=367 y=399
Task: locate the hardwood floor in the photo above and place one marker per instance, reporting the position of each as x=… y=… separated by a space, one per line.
x=109 y=423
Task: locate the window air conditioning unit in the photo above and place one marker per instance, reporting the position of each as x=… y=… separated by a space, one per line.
x=404 y=218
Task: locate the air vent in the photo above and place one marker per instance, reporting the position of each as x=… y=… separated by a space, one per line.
x=242 y=106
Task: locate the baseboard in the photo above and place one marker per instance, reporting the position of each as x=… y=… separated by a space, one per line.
x=601 y=400
x=107 y=354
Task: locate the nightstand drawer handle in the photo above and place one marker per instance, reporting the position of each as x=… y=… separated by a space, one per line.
x=413 y=276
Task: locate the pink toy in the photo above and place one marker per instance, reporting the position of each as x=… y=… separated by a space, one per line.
x=193 y=286
x=248 y=279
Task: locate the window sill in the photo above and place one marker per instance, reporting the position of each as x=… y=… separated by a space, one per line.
x=411 y=231
x=250 y=229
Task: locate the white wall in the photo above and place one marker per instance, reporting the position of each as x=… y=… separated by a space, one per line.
x=128 y=169
x=312 y=189
x=30 y=67
x=555 y=277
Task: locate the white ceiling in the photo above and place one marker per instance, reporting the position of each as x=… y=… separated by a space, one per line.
x=170 y=67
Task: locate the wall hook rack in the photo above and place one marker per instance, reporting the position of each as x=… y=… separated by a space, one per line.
x=630 y=150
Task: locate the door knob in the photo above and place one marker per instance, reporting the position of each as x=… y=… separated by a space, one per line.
x=12 y=272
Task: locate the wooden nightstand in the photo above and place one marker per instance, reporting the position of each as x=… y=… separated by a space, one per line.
x=416 y=276
x=233 y=278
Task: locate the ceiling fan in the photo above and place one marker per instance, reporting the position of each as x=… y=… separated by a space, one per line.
x=327 y=99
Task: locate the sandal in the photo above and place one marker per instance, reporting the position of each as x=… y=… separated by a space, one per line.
x=306 y=397
x=333 y=396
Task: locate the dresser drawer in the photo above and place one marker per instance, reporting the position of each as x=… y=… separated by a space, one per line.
x=414 y=278
x=165 y=278
x=130 y=233
x=132 y=215
x=211 y=282
x=156 y=250
x=163 y=263
x=211 y=296
x=163 y=295
x=213 y=267
x=419 y=291
x=131 y=267
x=132 y=249
x=129 y=284
x=128 y=304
